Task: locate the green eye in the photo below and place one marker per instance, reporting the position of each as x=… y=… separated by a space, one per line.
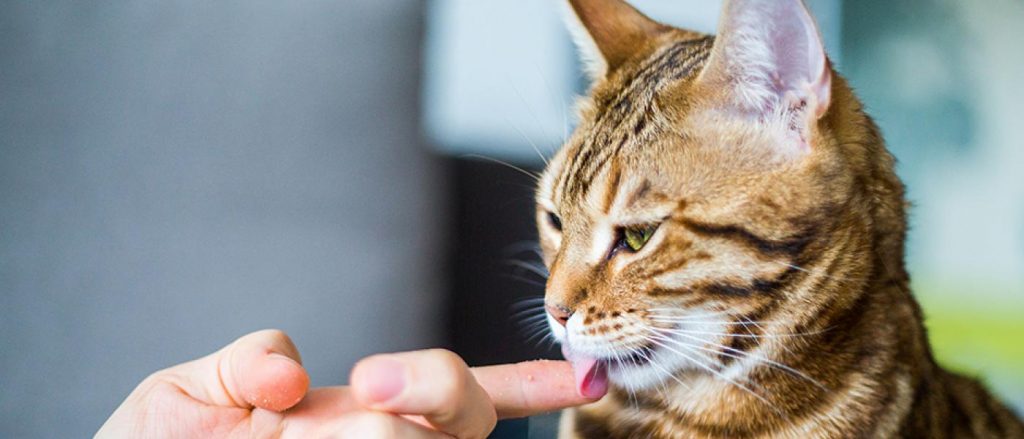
x=635 y=237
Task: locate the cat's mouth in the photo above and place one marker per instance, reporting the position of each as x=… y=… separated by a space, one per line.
x=591 y=373
x=635 y=358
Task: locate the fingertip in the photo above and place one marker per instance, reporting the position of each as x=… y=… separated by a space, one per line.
x=377 y=379
x=278 y=383
x=531 y=387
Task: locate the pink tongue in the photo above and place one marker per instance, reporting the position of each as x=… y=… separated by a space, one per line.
x=591 y=377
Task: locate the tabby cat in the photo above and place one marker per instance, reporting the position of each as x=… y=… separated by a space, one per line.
x=724 y=233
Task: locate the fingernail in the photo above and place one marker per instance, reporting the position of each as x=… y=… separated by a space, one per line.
x=382 y=379
x=282 y=357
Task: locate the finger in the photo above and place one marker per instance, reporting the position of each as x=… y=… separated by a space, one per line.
x=323 y=403
x=529 y=388
x=435 y=384
x=262 y=369
x=377 y=425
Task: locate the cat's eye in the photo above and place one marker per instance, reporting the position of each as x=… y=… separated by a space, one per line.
x=555 y=221
x=635 y=237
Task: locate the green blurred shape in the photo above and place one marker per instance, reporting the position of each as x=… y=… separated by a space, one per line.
x=976 y=329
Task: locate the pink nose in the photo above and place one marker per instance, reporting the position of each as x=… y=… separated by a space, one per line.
x=560 y=313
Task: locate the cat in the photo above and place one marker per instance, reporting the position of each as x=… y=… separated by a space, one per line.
x=724 y=233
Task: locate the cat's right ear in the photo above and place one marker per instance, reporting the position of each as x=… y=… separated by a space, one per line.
x=609 y=32
x=770 y=59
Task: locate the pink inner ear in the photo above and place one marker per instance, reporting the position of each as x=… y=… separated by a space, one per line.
x=801 y=66
x=771 y=52
x=820 y=72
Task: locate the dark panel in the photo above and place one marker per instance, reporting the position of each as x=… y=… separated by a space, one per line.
x=492 y=227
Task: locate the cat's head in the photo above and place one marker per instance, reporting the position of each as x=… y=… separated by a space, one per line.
x=707 y=186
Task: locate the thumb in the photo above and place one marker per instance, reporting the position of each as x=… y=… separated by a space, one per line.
x=262 y=369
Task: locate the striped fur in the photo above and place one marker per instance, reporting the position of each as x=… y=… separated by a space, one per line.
x=772 y=300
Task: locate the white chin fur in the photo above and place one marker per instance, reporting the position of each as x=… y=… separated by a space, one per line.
x=682 y=351
x=688 y=347
x=650 y=375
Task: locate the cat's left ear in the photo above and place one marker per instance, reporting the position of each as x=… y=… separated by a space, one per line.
x=769 y=59
x=609 y=32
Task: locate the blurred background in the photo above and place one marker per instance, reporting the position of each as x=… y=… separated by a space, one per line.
x=176 y=174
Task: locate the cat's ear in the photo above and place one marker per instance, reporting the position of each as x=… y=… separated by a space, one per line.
x=769 y=59
x=609 y=32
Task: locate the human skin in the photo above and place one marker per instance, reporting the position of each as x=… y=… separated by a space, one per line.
x=257 y=387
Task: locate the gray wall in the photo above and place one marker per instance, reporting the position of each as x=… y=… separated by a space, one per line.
x=175 y=174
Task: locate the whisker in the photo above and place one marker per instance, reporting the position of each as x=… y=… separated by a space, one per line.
x=629 y=386
x=530 y=318
x=551 y=341
x=528 y=140
x=539 y=270
x=716 y=373
x=529 y=110
x=760 y=328
x=526 y=306
x=533 y=176
x=527 y=245
x=683 y=313
x=650 y=360
x=565 y=123
x=561 y=101
x=738 y=354
x=533 y=322
x=714 y=322
x=530 y=337
x=684 y=310
x=548 y=339
x=528 y=300
x=522 y=279
x=537 y=329
x=818 y=271
x=748 y=335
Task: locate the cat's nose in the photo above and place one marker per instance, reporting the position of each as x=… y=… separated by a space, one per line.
x=560 y=313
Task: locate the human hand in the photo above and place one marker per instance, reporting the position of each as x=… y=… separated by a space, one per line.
x=256 y=387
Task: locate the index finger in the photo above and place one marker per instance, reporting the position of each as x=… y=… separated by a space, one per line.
x=531 y=387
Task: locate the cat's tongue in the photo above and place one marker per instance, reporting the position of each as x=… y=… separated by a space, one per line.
x=591 y=376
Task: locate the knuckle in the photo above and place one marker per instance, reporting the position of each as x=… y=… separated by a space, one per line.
x=489 y=422
x=157 y=394
x=278 y=341
x=275 y=335
x=448 y=396
x=450 y=360
x=161 y=381
x=154 y=379
x=451 y=381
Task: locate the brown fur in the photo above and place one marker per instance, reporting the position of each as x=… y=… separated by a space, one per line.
x=814 y=245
